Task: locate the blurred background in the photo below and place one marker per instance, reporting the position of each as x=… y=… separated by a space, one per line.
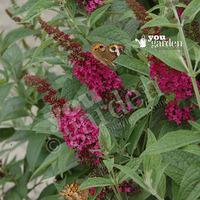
x=7 y=24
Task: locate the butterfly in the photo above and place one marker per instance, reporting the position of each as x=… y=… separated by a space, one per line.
x=107 y=53
x=72 y=192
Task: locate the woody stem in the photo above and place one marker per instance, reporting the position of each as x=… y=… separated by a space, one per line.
x=191 y=73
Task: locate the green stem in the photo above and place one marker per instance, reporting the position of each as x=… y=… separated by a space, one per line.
x=150 y=188
x=187 y=56
x=198 y=72
x=196 y=90
x=115 y=187
x=72 y=20
x=155 y=194
x=116 y=193
x=158 y=197
x=72 y=23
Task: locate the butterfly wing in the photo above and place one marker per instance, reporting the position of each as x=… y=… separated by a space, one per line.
x=106 y=54
x=98 y=51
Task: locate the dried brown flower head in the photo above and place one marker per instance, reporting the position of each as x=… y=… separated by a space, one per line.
x=72 y=192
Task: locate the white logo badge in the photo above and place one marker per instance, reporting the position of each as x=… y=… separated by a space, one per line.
x=142 y=42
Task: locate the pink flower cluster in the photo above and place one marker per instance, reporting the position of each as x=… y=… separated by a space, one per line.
x=81 y=134
x=105 y=84
x=129 y=187
x=102 y=195
x=142 y=16
x=172 y=82
x=181 y=9
x=49 y=93
x=99 y=78
x=63 y=39
x=90 y=5
x=177 y=114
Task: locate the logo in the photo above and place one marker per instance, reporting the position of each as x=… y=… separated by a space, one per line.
x=158 y=41
x=142 y=42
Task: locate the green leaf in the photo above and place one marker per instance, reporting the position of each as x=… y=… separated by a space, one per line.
x=127 y=15
x=119 y=6
x=6 y=133
x=13 y=55
x=154 y=169
x=150 y=88
x=64 y=163
x=20 y=136
x=162 y=6
x=48 y=191
x=133 y=64
x=37 y=8
x=4 y=91
x=13 y=108
x=195 y=194
x=133 y=175
x=151 y=161
x=97 y=14
x=131 y=27
x=53 y=158
x=72 y=6
x=109 y=34
x=5 y=180
x=193 y=148
x=191 y=11
x=116 y=126
x=134 y=164
x=105 y=139
x=70 y=88
x=96 y=182
x=47 y=126
x=161 y=182
x=142 y=195
x=159 y=21
x=136 y=134
x=173 y=58
x=14 y=36
x=173 y=140
x=26 y=6
x=12 y=194
x=35 y=144
x=14 y=168
x=39 y=50
x=178 y=162
x=190 y=184
x=128 y=80
x=52 y=197
x=21 y=184
x=12 y=58
x=175 y=188
x=195 y=125
x=109 y=163
x=137 y=115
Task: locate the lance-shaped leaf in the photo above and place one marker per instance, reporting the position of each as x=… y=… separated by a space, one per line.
x=173 y=140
